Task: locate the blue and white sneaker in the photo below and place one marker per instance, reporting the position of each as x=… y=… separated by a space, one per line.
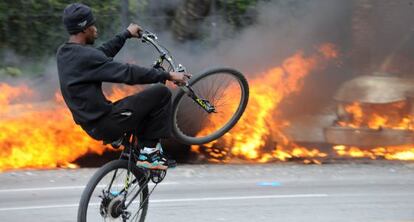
x=152 y=158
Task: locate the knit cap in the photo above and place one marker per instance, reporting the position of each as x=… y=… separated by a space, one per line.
x=77 y=17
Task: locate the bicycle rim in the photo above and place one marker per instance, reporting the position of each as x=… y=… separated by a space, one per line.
x=227 y=90
x=106 y=195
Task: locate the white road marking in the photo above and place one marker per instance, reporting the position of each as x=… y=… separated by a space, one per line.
x=64 y=188
x=38 y=207
x=41 y=189
x=240 y=198
x=177 y=200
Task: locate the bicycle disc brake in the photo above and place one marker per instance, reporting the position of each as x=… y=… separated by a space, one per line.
x=116 y=207
x=113 y=206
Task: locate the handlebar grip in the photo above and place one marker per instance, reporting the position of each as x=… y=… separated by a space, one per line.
x=140 y=33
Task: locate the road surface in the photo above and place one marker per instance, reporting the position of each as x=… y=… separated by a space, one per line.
x=378 y=191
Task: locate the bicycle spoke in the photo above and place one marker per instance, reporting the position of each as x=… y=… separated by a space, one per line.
x=217 y=85
x=135 y=217
x=137 y=193
x=114 y=177
x=143 y=201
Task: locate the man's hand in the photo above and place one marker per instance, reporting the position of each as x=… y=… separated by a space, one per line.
x=134 y=29
x=179 y=78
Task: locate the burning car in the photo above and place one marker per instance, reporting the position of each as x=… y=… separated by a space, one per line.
x=375 y=112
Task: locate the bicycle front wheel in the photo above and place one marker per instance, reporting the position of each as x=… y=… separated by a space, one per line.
x=226 y=90
x=112 y=195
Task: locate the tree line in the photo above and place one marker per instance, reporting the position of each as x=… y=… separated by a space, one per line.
x=34 y=28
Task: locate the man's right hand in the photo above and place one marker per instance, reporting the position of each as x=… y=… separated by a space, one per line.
x=134 y=29
x=179 y=78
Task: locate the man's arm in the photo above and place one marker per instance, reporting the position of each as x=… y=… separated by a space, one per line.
x=104 y=69
x=112 y=47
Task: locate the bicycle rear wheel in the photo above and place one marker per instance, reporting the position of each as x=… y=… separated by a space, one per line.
x=226 y=89
x=104 y=197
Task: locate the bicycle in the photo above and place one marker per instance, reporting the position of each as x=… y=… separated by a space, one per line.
x=215 y=99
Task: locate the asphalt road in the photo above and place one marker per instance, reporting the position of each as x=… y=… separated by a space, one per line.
x=378 y=191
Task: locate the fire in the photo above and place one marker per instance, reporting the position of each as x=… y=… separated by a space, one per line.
x=376 y=117
x=261 y=125
x=259 y=136
x=121 y=91
x=42 y=136
x=10 y=93
x=404 y=152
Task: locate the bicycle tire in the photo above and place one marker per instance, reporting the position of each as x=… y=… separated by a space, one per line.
x=191 y=138
x=99 y=175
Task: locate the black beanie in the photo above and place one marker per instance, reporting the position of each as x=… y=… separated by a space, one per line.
x=77 y=17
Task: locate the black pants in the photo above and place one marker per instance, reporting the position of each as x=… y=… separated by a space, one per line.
x=147 y=113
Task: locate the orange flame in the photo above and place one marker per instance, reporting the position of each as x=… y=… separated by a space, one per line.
x=261 y=118
x=43 y=136
x=377 y=116
x=121 y=91
x=404 y=152
x=9 y=93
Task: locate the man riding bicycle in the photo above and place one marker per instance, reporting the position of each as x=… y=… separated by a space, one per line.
x=82 y=69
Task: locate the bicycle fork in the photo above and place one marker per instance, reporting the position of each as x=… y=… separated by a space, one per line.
x=204 y=103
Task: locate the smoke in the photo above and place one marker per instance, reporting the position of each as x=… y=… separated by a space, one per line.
x=281 y=29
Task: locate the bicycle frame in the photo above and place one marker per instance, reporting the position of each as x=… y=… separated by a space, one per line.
x=148 y=37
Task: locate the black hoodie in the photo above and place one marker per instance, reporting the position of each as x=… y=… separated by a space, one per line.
x=83 y=68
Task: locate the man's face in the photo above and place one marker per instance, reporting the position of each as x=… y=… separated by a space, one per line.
x=91 y=33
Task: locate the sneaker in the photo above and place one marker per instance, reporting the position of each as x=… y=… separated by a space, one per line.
x=152 y=158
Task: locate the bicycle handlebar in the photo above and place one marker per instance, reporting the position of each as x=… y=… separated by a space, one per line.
x=149 y=37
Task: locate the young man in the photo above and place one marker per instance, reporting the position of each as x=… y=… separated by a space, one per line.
x=82 y=69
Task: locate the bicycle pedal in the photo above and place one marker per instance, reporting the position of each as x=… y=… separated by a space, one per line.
x=157 y=175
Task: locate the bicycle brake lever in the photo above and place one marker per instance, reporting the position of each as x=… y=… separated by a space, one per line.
x=145 y=35
x=180 y=68
x=150 y=35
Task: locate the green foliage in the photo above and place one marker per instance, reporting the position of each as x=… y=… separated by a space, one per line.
x=34 y=27
x=239 y=12
x=10 y=71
